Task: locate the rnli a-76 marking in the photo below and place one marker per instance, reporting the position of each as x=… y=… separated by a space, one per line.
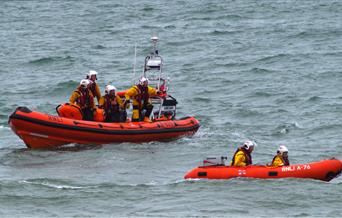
x=294 y=168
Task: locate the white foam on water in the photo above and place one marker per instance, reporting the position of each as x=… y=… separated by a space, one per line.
x=56 y=185
x=61 y=186
x=4 y=127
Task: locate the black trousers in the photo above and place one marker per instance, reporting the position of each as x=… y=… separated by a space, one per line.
x=116 y=117
x=88 y=114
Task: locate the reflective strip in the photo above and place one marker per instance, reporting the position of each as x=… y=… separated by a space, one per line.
x=39 y=135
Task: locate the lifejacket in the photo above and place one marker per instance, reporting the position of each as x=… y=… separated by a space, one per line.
x=85 y=100
x=93 y=88
x=285 y=161
x=248 y=156
x=111 y=104
x=142 y=95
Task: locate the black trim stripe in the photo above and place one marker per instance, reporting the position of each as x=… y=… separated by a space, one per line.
x=103 y=131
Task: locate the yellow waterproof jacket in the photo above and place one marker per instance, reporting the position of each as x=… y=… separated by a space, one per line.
x=240 y=159
x=81 y=100
x=103 y=102
x=95 y=89
x=278 y=161
x=135 y=93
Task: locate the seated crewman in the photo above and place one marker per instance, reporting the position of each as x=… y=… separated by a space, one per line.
x=281 y=158
x=242 y=156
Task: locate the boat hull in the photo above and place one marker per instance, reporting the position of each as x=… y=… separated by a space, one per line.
x=44 y=131
x=323 y=170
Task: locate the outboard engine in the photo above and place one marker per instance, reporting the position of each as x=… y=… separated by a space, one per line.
x=214 y=161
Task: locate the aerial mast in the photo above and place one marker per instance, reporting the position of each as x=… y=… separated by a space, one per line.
x=155 y=40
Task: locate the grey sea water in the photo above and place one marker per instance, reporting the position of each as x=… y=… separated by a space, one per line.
x=263 y=70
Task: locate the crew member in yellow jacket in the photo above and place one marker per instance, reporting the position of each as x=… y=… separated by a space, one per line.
x=94 y=87
x=242 y=156
x=281 y=159
x=84 y=98
x=140 y=94
x=113 y=106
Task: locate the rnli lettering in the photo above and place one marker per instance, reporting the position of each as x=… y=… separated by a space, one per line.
x=286 y=169
x=295 y=168
x=55 y=119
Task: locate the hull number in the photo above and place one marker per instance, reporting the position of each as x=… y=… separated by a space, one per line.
x=296 y=168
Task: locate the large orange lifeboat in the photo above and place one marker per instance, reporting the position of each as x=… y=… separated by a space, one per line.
x=324 y=170
x=44 y=131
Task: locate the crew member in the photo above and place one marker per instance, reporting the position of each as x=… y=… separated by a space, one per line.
x=84 y=98
x=281 y=159
x=242 y=156
x=113 y=105
x=94 y=87
x=140 y=94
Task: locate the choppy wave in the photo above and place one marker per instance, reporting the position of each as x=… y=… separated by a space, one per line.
x=314 y=98
x=170 y=27
x=224 y=32
x=202 y=99
x=50 y=60
x=315 y=34
x=286 y=128
x=261 y=94
x=325 y=127
x=100 y=47
x=62 y=87
x=273 y=58
x=148 y=9
x=262 y=71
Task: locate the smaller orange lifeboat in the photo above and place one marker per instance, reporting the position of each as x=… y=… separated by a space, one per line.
x=324 y=170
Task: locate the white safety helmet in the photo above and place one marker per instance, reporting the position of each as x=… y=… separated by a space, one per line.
x=85 y=82
x=282 y=149
x=91 y=73
x=249 y=144
x=109 y=88
x=142 y=80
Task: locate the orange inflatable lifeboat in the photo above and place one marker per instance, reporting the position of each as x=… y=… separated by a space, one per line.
x=43 y=131
x=213 y=168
